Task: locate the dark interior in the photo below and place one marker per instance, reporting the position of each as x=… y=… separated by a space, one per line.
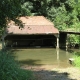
x=30 y=41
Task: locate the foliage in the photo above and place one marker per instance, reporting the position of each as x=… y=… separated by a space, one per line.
x=74 y=39
x=77 y=59
x=9 y=10
x=27 y=7
x=65 y=14
x=55 y=14
x=9 y=70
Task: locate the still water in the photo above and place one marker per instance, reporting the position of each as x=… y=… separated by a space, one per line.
x=43 y=56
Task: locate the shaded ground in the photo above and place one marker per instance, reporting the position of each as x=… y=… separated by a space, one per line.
x=49 y=72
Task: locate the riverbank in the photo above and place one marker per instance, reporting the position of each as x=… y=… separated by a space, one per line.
x=48 y=72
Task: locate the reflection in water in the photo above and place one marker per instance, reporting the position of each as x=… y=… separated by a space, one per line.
x=57 y=54
x=67 y=56
x=44 y=56
x=58 y=60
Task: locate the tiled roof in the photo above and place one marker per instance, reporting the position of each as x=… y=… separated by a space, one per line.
x=33 y=25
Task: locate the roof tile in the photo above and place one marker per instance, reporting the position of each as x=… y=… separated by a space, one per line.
x=33 y=25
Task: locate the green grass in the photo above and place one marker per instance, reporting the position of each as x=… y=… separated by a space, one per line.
x=9 y=70
x=77 y=59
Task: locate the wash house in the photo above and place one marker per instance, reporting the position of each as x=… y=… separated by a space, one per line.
x=37 y=32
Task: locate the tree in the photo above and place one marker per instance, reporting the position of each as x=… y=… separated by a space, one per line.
x=9 y=10
x=63 y=13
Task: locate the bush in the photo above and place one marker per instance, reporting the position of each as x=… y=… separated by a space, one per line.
x=77 y=59
x=9 y=70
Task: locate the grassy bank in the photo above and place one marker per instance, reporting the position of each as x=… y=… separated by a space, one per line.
x=9 y=70
x=77 y=59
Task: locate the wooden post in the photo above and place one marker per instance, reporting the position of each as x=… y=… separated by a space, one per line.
x=2 y=43
x=79 y=42
x=57 y=36
x=57 y=42
x=66 y=45
x=67 y=35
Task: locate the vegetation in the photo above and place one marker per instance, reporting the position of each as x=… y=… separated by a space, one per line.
x=10 y=10
x=65 y=14
x=9 y=70
x=77 y=59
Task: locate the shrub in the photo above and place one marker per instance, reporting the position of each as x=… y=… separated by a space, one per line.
x=9 y=70
x=77 y=59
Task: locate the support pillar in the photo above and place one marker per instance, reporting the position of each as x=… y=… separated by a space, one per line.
x=3 y=43
x=57 y=36
x=66 y=45
x=79 y=42
x=57 y=42
x=67 y=36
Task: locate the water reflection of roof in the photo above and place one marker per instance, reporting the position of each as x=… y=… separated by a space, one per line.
x=33 y=25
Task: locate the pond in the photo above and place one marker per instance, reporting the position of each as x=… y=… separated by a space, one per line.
x=43 y=56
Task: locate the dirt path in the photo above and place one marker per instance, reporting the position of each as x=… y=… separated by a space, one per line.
x=48 y=72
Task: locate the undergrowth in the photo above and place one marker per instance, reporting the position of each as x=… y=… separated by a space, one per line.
x=77 y=59
x=9 y=70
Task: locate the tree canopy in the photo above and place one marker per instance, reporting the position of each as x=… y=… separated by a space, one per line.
x=63 y=13
x=9 y=9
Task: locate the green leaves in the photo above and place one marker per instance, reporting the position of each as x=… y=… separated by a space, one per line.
x=27 y=7
x=9 y=10
x=9 y=70
x=63 y=13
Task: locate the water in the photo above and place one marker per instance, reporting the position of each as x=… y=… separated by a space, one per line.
x=43 y=56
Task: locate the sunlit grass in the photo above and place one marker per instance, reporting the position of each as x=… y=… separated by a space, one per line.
x=77 y=59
